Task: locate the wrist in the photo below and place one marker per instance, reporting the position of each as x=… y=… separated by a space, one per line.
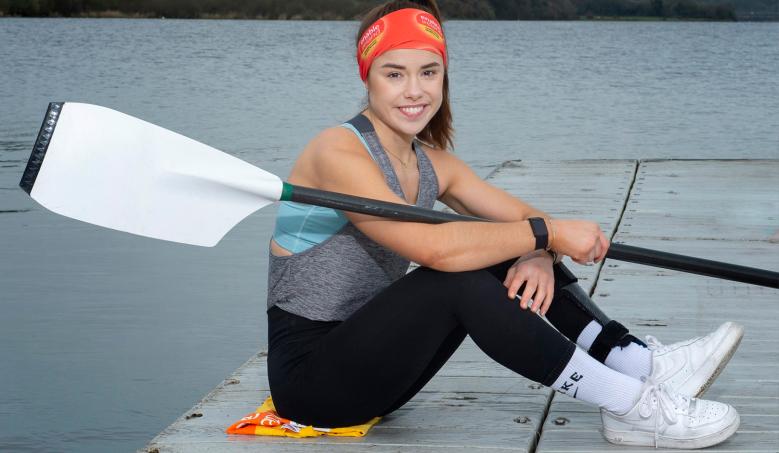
x=540 y=230
x=556 y=258
x=552 y=236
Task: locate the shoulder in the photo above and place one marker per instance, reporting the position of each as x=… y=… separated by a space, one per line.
x=336 y=145
x=330 y=155
x=336 y=137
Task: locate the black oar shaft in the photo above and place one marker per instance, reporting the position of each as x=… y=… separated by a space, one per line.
x=370 y=206
x=620 y=252
x=692 y=265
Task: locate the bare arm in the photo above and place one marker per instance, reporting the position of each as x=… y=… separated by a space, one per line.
x=465 y=192
x=469 y=194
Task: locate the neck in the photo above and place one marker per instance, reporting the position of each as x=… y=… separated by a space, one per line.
x=396 y=142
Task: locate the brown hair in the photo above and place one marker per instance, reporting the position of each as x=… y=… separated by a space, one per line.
x=438 y=131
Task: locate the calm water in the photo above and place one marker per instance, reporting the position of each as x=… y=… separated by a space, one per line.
x=105 y=338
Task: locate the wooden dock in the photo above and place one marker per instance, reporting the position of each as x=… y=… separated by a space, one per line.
x=725 y=210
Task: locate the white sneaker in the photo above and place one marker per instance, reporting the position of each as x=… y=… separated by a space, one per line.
x=663 y=419
x=689 y=367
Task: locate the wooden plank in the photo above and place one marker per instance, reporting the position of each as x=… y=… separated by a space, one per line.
x=247 y=444
x=593 y=441
x=459 y=415
x=759 y=406
x=730 y=200
x=588 y=419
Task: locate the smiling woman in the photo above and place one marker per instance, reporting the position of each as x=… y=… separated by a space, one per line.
x=352 y=336
x=413 y=29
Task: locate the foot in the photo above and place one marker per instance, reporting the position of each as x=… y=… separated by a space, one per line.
x=689 y=367
x=665 y=419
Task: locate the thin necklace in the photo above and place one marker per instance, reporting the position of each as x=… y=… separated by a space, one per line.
x=404 y=164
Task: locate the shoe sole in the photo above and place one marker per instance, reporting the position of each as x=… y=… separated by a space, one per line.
x=734 y=336
x=645 y=439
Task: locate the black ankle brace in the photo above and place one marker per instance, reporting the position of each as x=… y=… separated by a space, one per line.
x=612 y=334
x=631 y=339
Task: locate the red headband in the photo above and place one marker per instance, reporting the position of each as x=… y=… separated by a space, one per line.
x=407 y=28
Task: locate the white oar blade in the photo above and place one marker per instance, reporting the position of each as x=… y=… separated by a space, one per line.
x=110 y=169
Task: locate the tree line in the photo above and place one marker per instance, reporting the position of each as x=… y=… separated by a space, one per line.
x=353 y=9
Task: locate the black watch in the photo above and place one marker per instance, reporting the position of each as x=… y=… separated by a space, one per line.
x=538 y=226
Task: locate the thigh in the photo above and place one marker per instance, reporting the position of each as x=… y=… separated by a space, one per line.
x=445 y=351
x=378 y=358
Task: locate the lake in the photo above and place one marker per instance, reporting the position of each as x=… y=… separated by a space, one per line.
x=105 y=338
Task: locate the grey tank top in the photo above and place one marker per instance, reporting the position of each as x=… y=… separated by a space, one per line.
x=332 y=279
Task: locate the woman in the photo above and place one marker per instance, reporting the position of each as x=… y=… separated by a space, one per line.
x=352 y=336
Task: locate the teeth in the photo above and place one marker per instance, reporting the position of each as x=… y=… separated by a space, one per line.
x=412 y=110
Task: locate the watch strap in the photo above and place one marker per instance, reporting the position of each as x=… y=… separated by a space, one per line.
x=538 y=225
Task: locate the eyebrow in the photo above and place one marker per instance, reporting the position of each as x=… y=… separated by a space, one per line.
x=397 y=66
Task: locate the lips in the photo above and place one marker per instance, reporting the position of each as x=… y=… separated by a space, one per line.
x=412 y=111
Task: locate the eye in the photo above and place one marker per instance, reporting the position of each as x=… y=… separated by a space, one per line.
x=429 y=72
x=393 y=75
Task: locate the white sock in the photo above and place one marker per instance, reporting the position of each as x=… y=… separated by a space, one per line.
x=588 y=335
x=634 y=360
x=586 y=379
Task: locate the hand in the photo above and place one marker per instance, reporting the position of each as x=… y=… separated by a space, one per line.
x=582 y=240
x=535 y=271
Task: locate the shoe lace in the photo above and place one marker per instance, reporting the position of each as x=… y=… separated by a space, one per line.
x=653 y=344
x=657 y=397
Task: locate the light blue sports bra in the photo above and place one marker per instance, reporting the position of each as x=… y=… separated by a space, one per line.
x=301 y=226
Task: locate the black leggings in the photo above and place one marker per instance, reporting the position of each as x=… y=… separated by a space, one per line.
x=340 y=373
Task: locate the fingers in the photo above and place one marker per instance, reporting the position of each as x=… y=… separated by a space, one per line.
x=543 y=297
x=601 y=248
x=508 y=280
x=536 y=286
x=549 y=298
x=579 y=260
x=604 y=242
x=517 y=286
x=530 y=289
x=538 y=299
x=596 y=252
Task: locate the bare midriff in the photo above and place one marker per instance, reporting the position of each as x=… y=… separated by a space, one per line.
x=278 y=250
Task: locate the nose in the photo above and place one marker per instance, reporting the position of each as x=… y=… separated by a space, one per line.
x=413 y=89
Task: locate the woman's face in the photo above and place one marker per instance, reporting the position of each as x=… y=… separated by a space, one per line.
x=405 y=88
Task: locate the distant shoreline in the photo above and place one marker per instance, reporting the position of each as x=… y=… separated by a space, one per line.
x=120 y=15
x=350 y=10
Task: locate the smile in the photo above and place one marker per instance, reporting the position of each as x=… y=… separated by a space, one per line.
x=412 y=111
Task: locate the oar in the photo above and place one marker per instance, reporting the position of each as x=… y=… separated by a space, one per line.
x=110 y=169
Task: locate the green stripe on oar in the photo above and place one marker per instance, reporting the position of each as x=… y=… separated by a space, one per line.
x=101 y=166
